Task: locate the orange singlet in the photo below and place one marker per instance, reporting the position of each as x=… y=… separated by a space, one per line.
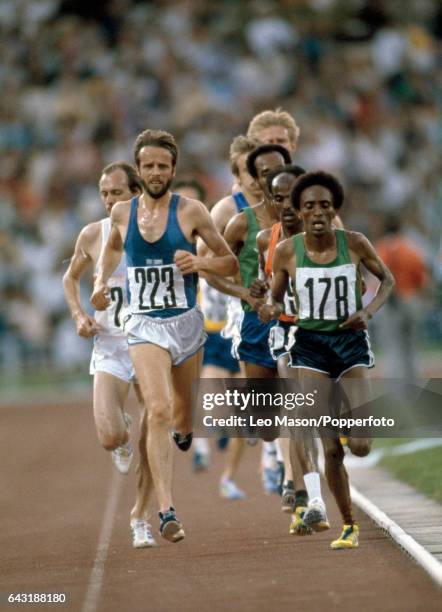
x=275 y=234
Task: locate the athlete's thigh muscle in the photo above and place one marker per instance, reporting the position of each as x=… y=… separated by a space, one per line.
x=153 y=370
x=213 y=371
x=110 y=393
x=184 y=375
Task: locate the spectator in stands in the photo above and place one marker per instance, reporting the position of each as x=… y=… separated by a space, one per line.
x=399 y=335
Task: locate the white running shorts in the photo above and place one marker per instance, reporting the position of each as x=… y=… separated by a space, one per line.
x=182 y=335
x=111 y=355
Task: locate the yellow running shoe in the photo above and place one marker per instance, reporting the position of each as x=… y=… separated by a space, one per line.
x=349 y=538
x=297 y=526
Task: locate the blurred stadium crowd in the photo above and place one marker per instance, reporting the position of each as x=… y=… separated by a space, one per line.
x=80 y=80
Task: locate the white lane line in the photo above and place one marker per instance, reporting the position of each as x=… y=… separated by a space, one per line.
x=415 y=446
x=97 y=573
x=425 y=559
x=403 y=449
x=35 y=398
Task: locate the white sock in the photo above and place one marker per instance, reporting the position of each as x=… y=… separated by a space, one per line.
x=268 y=457
x=201 y=445
x=313 y=486
x=268 y=447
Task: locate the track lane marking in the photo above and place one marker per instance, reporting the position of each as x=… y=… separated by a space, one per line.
x=97 y=573
x=424 y=558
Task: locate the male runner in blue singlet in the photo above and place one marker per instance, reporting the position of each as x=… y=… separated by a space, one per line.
x=165 y=327
x=251 y=343
x=240 y=234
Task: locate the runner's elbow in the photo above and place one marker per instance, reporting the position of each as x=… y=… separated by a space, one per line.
x=390 y=280
x=67 y=280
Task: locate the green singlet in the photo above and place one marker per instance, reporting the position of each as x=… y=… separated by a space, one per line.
x=248 y=257
x=326 y=294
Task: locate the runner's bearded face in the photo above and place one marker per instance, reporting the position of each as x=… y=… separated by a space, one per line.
x=114 y=188
x=156 y=170
x=317 y=210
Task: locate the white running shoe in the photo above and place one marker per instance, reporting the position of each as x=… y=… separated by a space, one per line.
x=315 y=516
x=141 y=534
x=229 y=490
x=122 y=456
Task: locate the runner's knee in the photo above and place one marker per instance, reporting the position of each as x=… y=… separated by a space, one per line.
x=334 y=453
x=109 y=440
x=360 y=447
x=160 y=414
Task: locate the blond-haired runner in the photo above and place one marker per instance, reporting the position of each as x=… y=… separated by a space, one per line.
x=275 y=127
x=268 y=127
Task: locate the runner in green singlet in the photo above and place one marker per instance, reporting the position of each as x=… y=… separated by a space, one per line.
x=331 y=340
